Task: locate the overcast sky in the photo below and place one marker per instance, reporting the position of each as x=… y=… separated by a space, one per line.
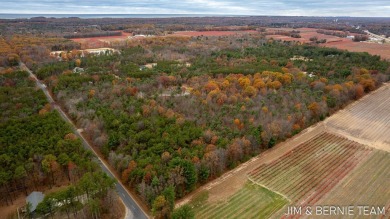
x=367 y=8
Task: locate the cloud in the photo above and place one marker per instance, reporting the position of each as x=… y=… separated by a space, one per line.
x=359 y=8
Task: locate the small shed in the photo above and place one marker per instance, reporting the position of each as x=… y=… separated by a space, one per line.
x=34 y=199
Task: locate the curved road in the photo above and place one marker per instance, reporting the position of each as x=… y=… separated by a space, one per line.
x=133 y=209
x=377 y=36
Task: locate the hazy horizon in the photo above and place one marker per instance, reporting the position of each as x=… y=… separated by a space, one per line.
x=99 y=15
x=330 y=8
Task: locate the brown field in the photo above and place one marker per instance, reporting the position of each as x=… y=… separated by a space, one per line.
x=328 y=163
x=358 y=188
x=306 y=34
x=212 y=33
x=366 y=121
x=309 y=171
x=104 y=41
x=382 y=50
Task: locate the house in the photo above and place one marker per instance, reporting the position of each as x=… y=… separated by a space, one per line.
x=147 y=66
x=34 y=199
x=78 y=70
x=301 y=58
x=97 y=51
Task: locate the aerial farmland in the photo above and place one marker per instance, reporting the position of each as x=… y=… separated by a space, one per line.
x=341 y=161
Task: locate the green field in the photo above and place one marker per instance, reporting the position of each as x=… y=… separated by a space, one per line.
x=251 y=201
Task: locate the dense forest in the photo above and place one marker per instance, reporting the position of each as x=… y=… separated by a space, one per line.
x=38 y=151
x=206 y=105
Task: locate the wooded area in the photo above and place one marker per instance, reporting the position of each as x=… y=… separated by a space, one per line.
x=174 y=127
x=38 y=151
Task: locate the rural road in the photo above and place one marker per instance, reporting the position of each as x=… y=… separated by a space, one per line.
x=377 y=36
x=133 y=209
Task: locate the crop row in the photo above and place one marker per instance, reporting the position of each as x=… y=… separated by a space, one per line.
x=312 y=169
x=368 y=118
x=367 y=184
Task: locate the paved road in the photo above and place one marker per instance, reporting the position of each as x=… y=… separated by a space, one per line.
x=133 y=209
x=377 y=36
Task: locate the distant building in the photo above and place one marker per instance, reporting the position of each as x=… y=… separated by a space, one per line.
x=97 y=51
x=78 y=70
x=147 y=66
x=301 y=58
x=34 y=199
x=138 y=36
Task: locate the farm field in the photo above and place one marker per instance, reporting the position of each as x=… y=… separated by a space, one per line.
x=330 y=160
x=357 y=188
x=382 y=50
x=251 y=201
x=211 y=33
x=307 y=173
x=366 y=121
x=306 y=34
x=94 y=42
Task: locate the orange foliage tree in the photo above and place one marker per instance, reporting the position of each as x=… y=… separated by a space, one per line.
x=314 y=108
x=126 y=173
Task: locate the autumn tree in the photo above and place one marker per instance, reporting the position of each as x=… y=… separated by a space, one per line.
x=160 y=207
x=78 y=62
x=13 y=59
x=50 y=165
x=211 y=85
x=91 y=93
x=314 y=107
x=359 y=91
x=126 y=173
x=250 y=91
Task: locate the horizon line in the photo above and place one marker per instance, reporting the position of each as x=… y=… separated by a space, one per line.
x=210 y=14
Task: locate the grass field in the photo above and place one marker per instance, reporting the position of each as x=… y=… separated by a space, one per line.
x=307 y=173
x=251 y=201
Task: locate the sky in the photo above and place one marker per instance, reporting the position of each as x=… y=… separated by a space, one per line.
x=359 y=8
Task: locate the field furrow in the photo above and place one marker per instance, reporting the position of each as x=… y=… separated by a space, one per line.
x=313 y=169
